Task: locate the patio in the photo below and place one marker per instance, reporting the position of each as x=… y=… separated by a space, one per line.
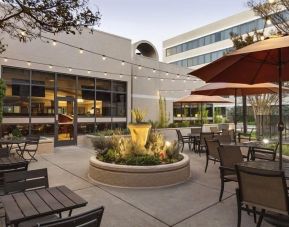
x=194 y=203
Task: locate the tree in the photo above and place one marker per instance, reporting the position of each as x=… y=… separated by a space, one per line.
x=26 y=20
x=272 y=11
x=163 y=117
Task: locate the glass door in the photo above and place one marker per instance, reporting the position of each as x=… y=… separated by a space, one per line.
x=65 y=119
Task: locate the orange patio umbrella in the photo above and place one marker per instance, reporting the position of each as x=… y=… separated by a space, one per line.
x=202 y=99
x=264 y=61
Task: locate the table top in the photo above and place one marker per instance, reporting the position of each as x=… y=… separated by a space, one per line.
x=6 y=161
x=267 y=165
x=194 y=134
x=35 y=203
x=13 y=141
x=244 y=144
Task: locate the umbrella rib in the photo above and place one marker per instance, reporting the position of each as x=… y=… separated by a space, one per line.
x=261 y=65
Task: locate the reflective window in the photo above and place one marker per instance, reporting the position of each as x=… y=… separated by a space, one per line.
x=66 y=85
x=118 y=105
x=85 y=96
x=102 y=104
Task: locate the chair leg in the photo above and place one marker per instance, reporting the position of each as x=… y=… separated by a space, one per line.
x=222 y=189
x=239 y=208
x=207 y=162
x=260 y=218
x=182 y=147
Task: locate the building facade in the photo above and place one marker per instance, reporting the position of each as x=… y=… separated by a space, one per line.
x=66 y=85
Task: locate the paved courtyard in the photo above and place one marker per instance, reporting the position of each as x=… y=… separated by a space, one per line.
x=194 y=203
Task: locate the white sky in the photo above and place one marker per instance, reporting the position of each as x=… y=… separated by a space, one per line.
x=157 y=20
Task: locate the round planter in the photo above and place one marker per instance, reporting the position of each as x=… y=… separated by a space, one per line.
x=139 y=176
x=139 y=133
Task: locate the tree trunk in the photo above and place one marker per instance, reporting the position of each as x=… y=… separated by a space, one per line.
x=244 y=114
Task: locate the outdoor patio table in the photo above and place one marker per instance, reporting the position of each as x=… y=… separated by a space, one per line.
x=267 y=165
x=27 y=205
x=10 y=142
x=194 y=137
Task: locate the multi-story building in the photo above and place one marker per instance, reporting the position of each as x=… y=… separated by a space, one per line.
x=203 y=45
x=65 y=85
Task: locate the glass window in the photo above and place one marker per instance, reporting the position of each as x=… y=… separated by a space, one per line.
x=190 y=45
x=207 y=40
x=190 y=62
x=119 y=125
x=201 y=42
x=179 y=49
x=8 y=128
x=119 y=86
x=118 y=105
x=103 y=104
x=185 y=47
x=201 y=59
x=66 y=85
x=195 y=44
x=195 y=61
x=207 y=58
x=218 y=37
x=85 y=128
x=102 y=126
x=103 y=85
x=85 y=96
x=42 y=94
x=42 y=129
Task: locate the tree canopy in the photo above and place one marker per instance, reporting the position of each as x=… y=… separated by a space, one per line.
x=28 y=19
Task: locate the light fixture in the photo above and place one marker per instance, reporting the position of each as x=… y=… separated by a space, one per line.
x=265 y=141
x=271 y=1
x=168 y=143
x=185 y=81
x=88 y=71
x=123 y=63
x=120 y=75
x=162 y=79
x=149 y=78
x=70 y=69
x=50 y=66
x=139 y=67
x=268 y=22
x=5 y=59
x=54 y=43
x=23 y=33
x=105 y=73
x=173 y=80
x=80 y=100
x=167 y=73
x=135 y=77
x=28 y=63
x=81 y=51
x=178 y=76
x=103 y=57
x=262 y=37
x=154 y=71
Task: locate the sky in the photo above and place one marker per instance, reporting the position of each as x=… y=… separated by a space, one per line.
x=158 y=20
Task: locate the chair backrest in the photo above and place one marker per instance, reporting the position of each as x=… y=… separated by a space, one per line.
x=214 y=129
x=32 y=142
x=179 y=134
x=88 y=219
x=229 y=157
x=223 y=138
x=206 y=136
x=196 y=130
x=265 y=189
x=212 y=150
x=25 y=180
x=4 y=152
x=275 y=151
x=230 y=132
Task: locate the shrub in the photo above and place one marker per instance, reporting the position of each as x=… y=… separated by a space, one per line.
x=138 y=115
x=144 y=160
x=155 y=143
x=16 y=133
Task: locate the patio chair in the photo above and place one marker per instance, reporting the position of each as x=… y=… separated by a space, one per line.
x=183 y=140
x=214 y=130
x=202 y=143
x=212 y=153
x=264 y=153
x=229 y=157
x=30 y=148
x=196 y=139
x=230 y=132
x=223 y=138
x=25 y=180
x=90 y=218
x=263 y=192
x=243 y=137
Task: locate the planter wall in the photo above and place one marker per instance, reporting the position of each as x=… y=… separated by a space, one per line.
x=139 y=176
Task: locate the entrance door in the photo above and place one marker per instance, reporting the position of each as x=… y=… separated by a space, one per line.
x=65 y=119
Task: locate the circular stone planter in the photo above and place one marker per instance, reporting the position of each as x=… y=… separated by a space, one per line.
x=139 y=176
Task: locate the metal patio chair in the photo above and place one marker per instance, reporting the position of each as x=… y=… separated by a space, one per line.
x=212 y=153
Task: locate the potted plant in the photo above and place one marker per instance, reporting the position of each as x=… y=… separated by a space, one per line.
x=139 y=130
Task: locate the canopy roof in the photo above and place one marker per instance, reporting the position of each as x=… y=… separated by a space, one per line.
x=237 y=89
x=202 y=99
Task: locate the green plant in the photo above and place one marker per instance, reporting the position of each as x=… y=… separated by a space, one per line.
x=163 y=116
x=184 y=124
x=155 y=143
x=145 y=160
x=218 y=118
x=102 y=144
x=202 y=114
x=16 y=133
x=138 y=115
x=173 y=151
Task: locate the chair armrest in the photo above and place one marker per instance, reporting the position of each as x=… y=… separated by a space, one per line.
x=263 y=150
x=227 y=168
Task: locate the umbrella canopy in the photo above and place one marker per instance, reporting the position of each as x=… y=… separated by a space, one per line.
x=256 y=63
x=201 y=99
x=264 y=61
x=237 y=89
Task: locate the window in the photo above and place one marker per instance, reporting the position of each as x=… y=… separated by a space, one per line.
x=66 y=85
x=118 y=105
x=102 y=104
x=85 y=97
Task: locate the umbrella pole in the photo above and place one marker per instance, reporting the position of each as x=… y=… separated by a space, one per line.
x=202 y=114
x=235 y=118
x=280 y=124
